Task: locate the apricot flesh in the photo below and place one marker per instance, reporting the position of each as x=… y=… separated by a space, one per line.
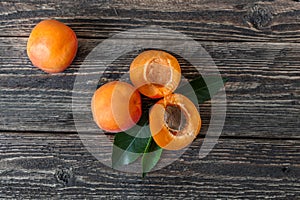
x=155 y=73
x=116 y=106
x=52 y=46
x=167 y=131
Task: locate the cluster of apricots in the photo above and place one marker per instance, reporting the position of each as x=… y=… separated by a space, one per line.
x=116 y=106
x=174 y=120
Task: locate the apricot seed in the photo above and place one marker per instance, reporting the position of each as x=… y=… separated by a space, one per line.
x=116 y=106
x=174 y=122
x=52 y=46
x=155 y=73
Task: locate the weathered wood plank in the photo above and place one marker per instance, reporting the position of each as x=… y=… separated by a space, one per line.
x=262 y=92
x=59 y=166
x=201 y=19
x=261 y=61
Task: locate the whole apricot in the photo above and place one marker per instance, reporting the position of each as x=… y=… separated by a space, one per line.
x=52 y=46
x=174 y=122
x=116 y=106
x=155 y=73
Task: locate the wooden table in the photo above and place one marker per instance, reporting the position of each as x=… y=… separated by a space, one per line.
x=254 y=43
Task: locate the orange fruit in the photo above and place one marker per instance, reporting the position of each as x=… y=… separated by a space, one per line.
x=52 y=46
x=174 y=122
x=116 y=106
x=155 y=73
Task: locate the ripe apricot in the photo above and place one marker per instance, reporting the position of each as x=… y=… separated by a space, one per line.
x=174 y=122
x=52 y=46
x=116 y=106
x=155 y=73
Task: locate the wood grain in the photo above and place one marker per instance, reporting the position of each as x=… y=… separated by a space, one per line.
x=254 y=43
x=272 y=21
x=262 y=92
x=59 y=167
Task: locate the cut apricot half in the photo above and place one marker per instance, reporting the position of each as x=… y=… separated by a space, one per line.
x=116 y=106
x=155 y=73
x=174 y=122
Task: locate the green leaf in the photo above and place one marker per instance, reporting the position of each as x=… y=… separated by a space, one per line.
x=203 y=89
x=121 y=157
x=151 y=156
x=129 y=145
x=135 y=140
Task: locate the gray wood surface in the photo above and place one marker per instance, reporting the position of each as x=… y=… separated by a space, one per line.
x=255 y=44
x=262 y=92
x=58 y=166
x=233 y=20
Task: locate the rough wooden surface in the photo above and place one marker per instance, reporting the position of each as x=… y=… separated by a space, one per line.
x=262 y=92
x=59 y=167
x=254 y=43
x=232 y=20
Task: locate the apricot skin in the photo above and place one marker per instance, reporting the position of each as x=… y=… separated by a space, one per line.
x=161 y=132
x=116 y=106
x=52 y=46
x=155 y=73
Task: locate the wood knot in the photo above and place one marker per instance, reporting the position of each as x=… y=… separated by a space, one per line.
x=285 y=169
x=65 y=176
x=259 y=16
